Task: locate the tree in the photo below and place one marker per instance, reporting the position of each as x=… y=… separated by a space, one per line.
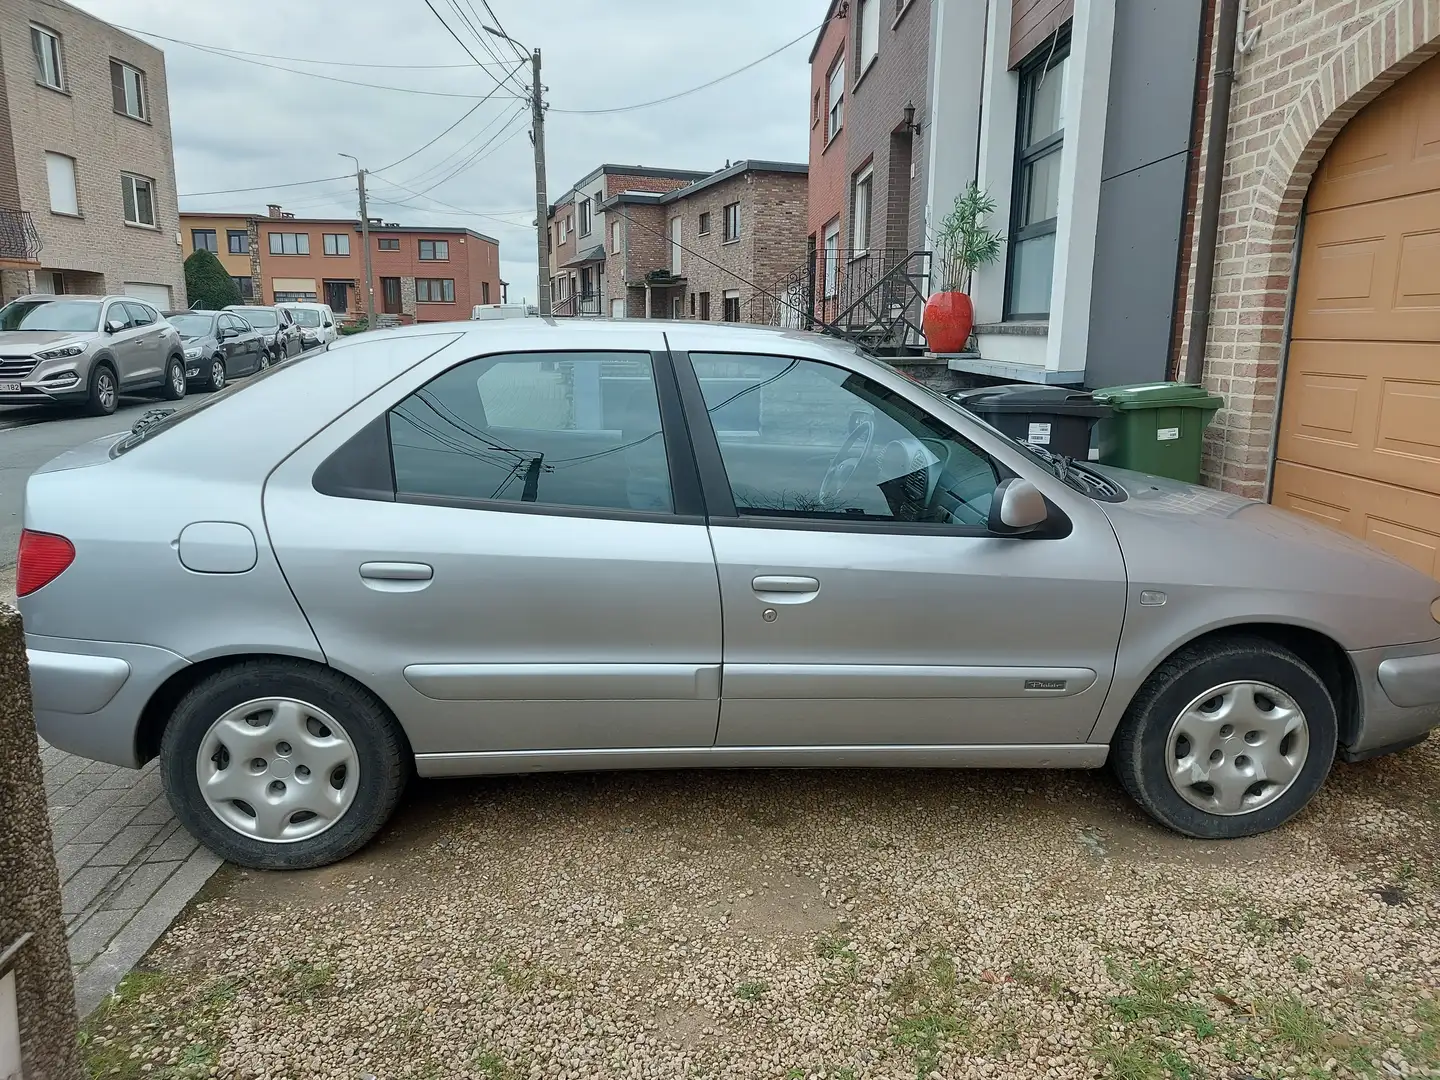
x=207 y=283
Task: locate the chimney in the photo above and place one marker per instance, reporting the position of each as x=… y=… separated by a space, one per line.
x=273 y=209
x=287 y=213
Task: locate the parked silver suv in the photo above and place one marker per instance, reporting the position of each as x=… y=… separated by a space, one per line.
x=87 y=351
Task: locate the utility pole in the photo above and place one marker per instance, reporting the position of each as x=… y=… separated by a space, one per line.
x=542 y=202
x=365 y=241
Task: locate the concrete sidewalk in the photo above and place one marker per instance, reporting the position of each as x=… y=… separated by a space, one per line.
x=127 y=868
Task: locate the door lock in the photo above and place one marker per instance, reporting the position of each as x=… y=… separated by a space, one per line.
x=769 y=614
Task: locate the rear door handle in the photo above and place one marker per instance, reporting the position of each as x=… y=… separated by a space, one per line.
x=396 y=571
x=785 y=588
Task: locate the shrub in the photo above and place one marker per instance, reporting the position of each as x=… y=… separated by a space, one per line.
x=207 y=283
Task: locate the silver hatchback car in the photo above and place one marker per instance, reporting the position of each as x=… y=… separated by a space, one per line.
x=526 y=545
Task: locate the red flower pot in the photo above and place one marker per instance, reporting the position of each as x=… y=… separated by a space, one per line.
x=947 y=321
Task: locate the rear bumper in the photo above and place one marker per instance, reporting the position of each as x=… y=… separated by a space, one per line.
x=89 y=695
x=1399 y=696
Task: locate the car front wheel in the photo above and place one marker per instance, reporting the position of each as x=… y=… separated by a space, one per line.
x=282 y=765
x=104 y=391
x=1227 y=738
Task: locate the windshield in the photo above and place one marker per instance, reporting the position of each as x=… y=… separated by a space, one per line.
x=192 y=325
x=305 y=317
x=77 y=316
x=259 y=319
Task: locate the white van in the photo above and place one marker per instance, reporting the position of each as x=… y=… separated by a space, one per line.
x=316 y=322
x=485 y=312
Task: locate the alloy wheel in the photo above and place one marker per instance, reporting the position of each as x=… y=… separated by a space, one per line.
x=278 y=770
x=105 y=383
x=177 y=379
x=217 y=375
x=1237 y=747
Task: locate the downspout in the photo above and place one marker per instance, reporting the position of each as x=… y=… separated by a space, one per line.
x=1228 y=21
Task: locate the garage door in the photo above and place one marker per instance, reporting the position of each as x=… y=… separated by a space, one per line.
x=1359 y=444
x=158 y=295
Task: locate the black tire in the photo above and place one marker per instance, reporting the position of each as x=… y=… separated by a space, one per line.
x=175 y=385
x=1140 y=754
x=104 y=390
x=264 y=360
x=382 y=752
x=217 y=378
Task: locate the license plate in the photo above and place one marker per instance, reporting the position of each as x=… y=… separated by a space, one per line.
x=9 y=388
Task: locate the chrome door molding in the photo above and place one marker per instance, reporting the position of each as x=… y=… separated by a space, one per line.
x=566 y=682
x=884 y=681
x=998 y=756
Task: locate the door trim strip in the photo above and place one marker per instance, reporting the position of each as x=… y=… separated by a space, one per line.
x=901 y=681
x=566 y=682
x=495 y=762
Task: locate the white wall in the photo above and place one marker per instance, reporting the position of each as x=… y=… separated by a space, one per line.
x=957 y=58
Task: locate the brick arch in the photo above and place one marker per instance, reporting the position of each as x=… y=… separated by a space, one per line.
x=1253 y=271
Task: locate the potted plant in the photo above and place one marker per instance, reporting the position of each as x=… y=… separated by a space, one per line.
x=962 y=245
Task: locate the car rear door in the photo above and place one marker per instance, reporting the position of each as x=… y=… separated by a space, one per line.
x=509 y=547
x=865 y=602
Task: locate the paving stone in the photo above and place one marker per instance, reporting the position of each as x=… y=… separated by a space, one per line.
x=179 y=846
x=142 y=884
x=126 y=845
x=71 y=857
x=104 y=828
x=66 y=768
x=90 y=806
x=83 y=887
x=119 y=778
x=142 y=788
x=156 y=812
x=95 y=933
x=62 y=832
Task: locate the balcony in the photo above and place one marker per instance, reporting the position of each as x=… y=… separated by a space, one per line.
x=19 y=242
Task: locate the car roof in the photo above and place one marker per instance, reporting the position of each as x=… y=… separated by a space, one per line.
x=95 y=297
x=191 y=311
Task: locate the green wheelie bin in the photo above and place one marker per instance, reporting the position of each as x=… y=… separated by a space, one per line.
x=1156 y=428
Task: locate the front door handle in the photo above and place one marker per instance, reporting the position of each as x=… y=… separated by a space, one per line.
x=396 y=571
x=785 y=588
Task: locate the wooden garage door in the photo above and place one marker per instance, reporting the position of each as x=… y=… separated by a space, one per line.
x=1359 y=444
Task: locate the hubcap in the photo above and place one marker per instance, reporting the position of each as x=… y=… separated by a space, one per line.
x=278 y=770
x=107 y=389
x=217 y=374
x=1237 y=747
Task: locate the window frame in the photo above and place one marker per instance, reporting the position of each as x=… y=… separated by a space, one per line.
x=247 y=291
x=867 y=16
x=270 y=244
x=142 y=90
x=443 y=290
x=720 y=500
x=835 y=103
x=702 y=226
x=214 y=235
x=615 y=237
x=387 y=243
x=1031 y=71
x=134 y=180
x=726 y=237
x=725 y=299
x=435 y=247
x=325 y=245
x=587 y=221
x=57 y=56
x=74 y=184
x=242 y=235
x=863 y=178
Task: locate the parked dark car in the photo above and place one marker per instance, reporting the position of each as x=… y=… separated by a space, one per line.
x=276 y=326
x=218 y=346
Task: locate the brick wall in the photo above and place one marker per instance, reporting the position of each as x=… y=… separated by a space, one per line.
x=645 y=247
x=615 y=183
x=83 y=124
x=1032 y=21
x=9 y=181
x=1315 y=64
x=829 y=171
x=875 y=118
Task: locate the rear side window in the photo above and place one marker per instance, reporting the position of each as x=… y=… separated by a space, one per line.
x=566 y=429
x=140 y=315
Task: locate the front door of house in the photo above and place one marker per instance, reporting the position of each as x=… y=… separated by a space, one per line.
x=337 y=294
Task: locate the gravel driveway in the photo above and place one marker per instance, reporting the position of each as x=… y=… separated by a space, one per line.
x=822 y=924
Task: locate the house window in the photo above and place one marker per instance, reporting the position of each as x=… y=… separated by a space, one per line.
x=289 y=243
x=560 y=231
x=49 y=68
x=615 y=238
x=692 y=305
x=389 y=243
x=836 y=96
x=127 y=88
x=705 y=306
x=584 y=217
x=337 y=243
x=732 y=305
x=815 y=110
x=860 y=210
x=705 y=223
x=435 y=290
x=137 y=195
x=204 y=239
x=1036 y=194
x=832 y=258
x=731 y=213
x=869 y=35
x=549 y=239
x=238 y=242
x=64 y=196
x=246 y=285
x=434 y=250
x=485 y=292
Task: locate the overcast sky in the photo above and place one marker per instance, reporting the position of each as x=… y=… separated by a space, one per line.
x=240 y=125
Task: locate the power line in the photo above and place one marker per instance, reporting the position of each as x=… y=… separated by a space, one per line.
x=468 y=113
x=262 y=187
x=478 y=154
x=312 y=60
x=425 y=174
x=693 y=89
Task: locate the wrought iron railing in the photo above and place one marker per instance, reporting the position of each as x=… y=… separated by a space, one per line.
x=577 y=304
x=18 y=239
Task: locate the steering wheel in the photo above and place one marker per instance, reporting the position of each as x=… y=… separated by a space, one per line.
x=846 y=461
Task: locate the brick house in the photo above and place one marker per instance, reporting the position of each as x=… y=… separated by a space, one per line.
x=579 y=234
x=1322 y=328
x=423 y=274
x=721 y=247
x=87 y=172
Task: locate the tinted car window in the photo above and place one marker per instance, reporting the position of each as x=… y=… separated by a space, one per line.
x=117 y=313
x=192 y=325
x=800 y=438
x=260 y=318
x=140 y=315
x=76 y=316
x=560 y=429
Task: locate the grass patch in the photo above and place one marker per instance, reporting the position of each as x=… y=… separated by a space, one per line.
x=518 y=980
x=303 y=979
x=1138 y=1059
x=1300 y=963
x=832 y=947
x=1156 y=997
x=1257 y=924
x=751 y=991
x=1297 y=1025
x=492 y=1066
x=131 y=1037
x=924 y=1035
x=931 y=1015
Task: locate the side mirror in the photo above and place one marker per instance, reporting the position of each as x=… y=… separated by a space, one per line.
x=225 y=334
x=1017 y=508
x=114 y=326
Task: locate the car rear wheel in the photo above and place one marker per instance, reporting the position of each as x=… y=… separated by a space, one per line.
x=104 y=392
x=1227 y=738
x=175 y=385
x=217 y=375
x=282 y=765
x=264 y=360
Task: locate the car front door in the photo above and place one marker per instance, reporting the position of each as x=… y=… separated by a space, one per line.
x=865 y=601
x=122 y=341
x=511 y=550
x=234 y=346
x=148 y=345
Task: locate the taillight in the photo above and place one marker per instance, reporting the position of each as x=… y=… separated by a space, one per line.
x=43 y=557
